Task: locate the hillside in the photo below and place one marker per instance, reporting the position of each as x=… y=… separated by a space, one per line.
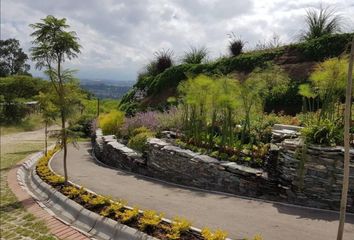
x=298 y=60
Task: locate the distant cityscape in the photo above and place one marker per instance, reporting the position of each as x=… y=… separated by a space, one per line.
x=106 y=88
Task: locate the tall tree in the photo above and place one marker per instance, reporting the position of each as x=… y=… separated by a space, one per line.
x=12 y=58
x=53 y=44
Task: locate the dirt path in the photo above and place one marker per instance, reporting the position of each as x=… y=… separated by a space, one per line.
x=22 y=137
x=238 y=216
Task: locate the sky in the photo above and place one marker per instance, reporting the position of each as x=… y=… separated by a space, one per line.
x=119 y=37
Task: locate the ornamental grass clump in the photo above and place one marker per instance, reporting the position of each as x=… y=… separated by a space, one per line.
x=179 y=226
x=217 y=235
x=195 y=56
x=72 y=192
x=129 y=215
x=113 y=209
x=150 y=220
x=236 y=45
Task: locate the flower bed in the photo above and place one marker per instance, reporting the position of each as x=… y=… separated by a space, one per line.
x=248 y=155
x=149 y=221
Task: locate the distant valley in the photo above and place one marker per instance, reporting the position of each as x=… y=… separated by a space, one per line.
x=106 y=88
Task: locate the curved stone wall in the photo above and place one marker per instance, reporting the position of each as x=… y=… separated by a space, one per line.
x=309 y=176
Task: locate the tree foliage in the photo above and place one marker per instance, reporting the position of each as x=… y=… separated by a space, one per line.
x=12 y=58
x=15 y=90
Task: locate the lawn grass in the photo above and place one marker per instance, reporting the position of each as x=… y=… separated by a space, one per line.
x=30 y=123
x=16 y=222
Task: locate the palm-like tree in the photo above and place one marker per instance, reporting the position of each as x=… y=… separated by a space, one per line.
x=321 y=22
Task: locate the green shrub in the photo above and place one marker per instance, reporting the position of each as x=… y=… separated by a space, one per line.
x=82 y=126
x=327 y=46
x=111 y=122
x=138 y=140
x=324 y=133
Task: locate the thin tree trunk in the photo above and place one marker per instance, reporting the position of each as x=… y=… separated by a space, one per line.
x=347 y=118
x=63 y=119
x=46 y=138
x=64 y=139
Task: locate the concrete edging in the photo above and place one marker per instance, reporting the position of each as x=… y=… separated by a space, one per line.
x=70 y=212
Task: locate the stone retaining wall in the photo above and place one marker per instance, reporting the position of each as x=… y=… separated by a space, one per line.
x=307 y=176
x=312 y=175
x=174 y=164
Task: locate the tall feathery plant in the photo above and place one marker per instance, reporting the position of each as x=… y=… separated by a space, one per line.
x=320 y=22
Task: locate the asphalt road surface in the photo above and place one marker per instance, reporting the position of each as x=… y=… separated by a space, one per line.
x=240 y=217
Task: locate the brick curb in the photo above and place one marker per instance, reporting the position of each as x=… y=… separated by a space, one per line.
x=55 y=226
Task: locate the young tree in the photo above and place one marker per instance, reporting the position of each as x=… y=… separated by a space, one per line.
x=53 y=44
x=12 y=58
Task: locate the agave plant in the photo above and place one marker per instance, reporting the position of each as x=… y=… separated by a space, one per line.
x=321 y=22
x=195 y=55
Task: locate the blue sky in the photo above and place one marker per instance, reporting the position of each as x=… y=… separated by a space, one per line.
x=120 y=36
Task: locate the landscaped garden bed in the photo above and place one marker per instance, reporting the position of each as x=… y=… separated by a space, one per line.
x=148 y=221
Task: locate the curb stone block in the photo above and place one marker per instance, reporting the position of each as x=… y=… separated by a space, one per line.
x=104 y=228
x=71 y=210
x=86 y=220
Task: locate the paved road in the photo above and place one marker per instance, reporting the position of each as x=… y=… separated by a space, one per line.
x=238 y=216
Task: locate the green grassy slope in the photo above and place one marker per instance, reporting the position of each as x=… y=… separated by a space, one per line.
x=297 y=59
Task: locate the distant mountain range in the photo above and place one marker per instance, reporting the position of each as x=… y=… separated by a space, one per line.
x=104 y=88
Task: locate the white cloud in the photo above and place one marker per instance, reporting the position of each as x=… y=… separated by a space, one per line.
x=119 y=37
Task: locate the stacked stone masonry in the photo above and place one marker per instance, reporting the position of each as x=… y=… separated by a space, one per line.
x=308 y=176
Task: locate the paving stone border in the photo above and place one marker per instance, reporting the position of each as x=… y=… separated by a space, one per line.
x=15 y=179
